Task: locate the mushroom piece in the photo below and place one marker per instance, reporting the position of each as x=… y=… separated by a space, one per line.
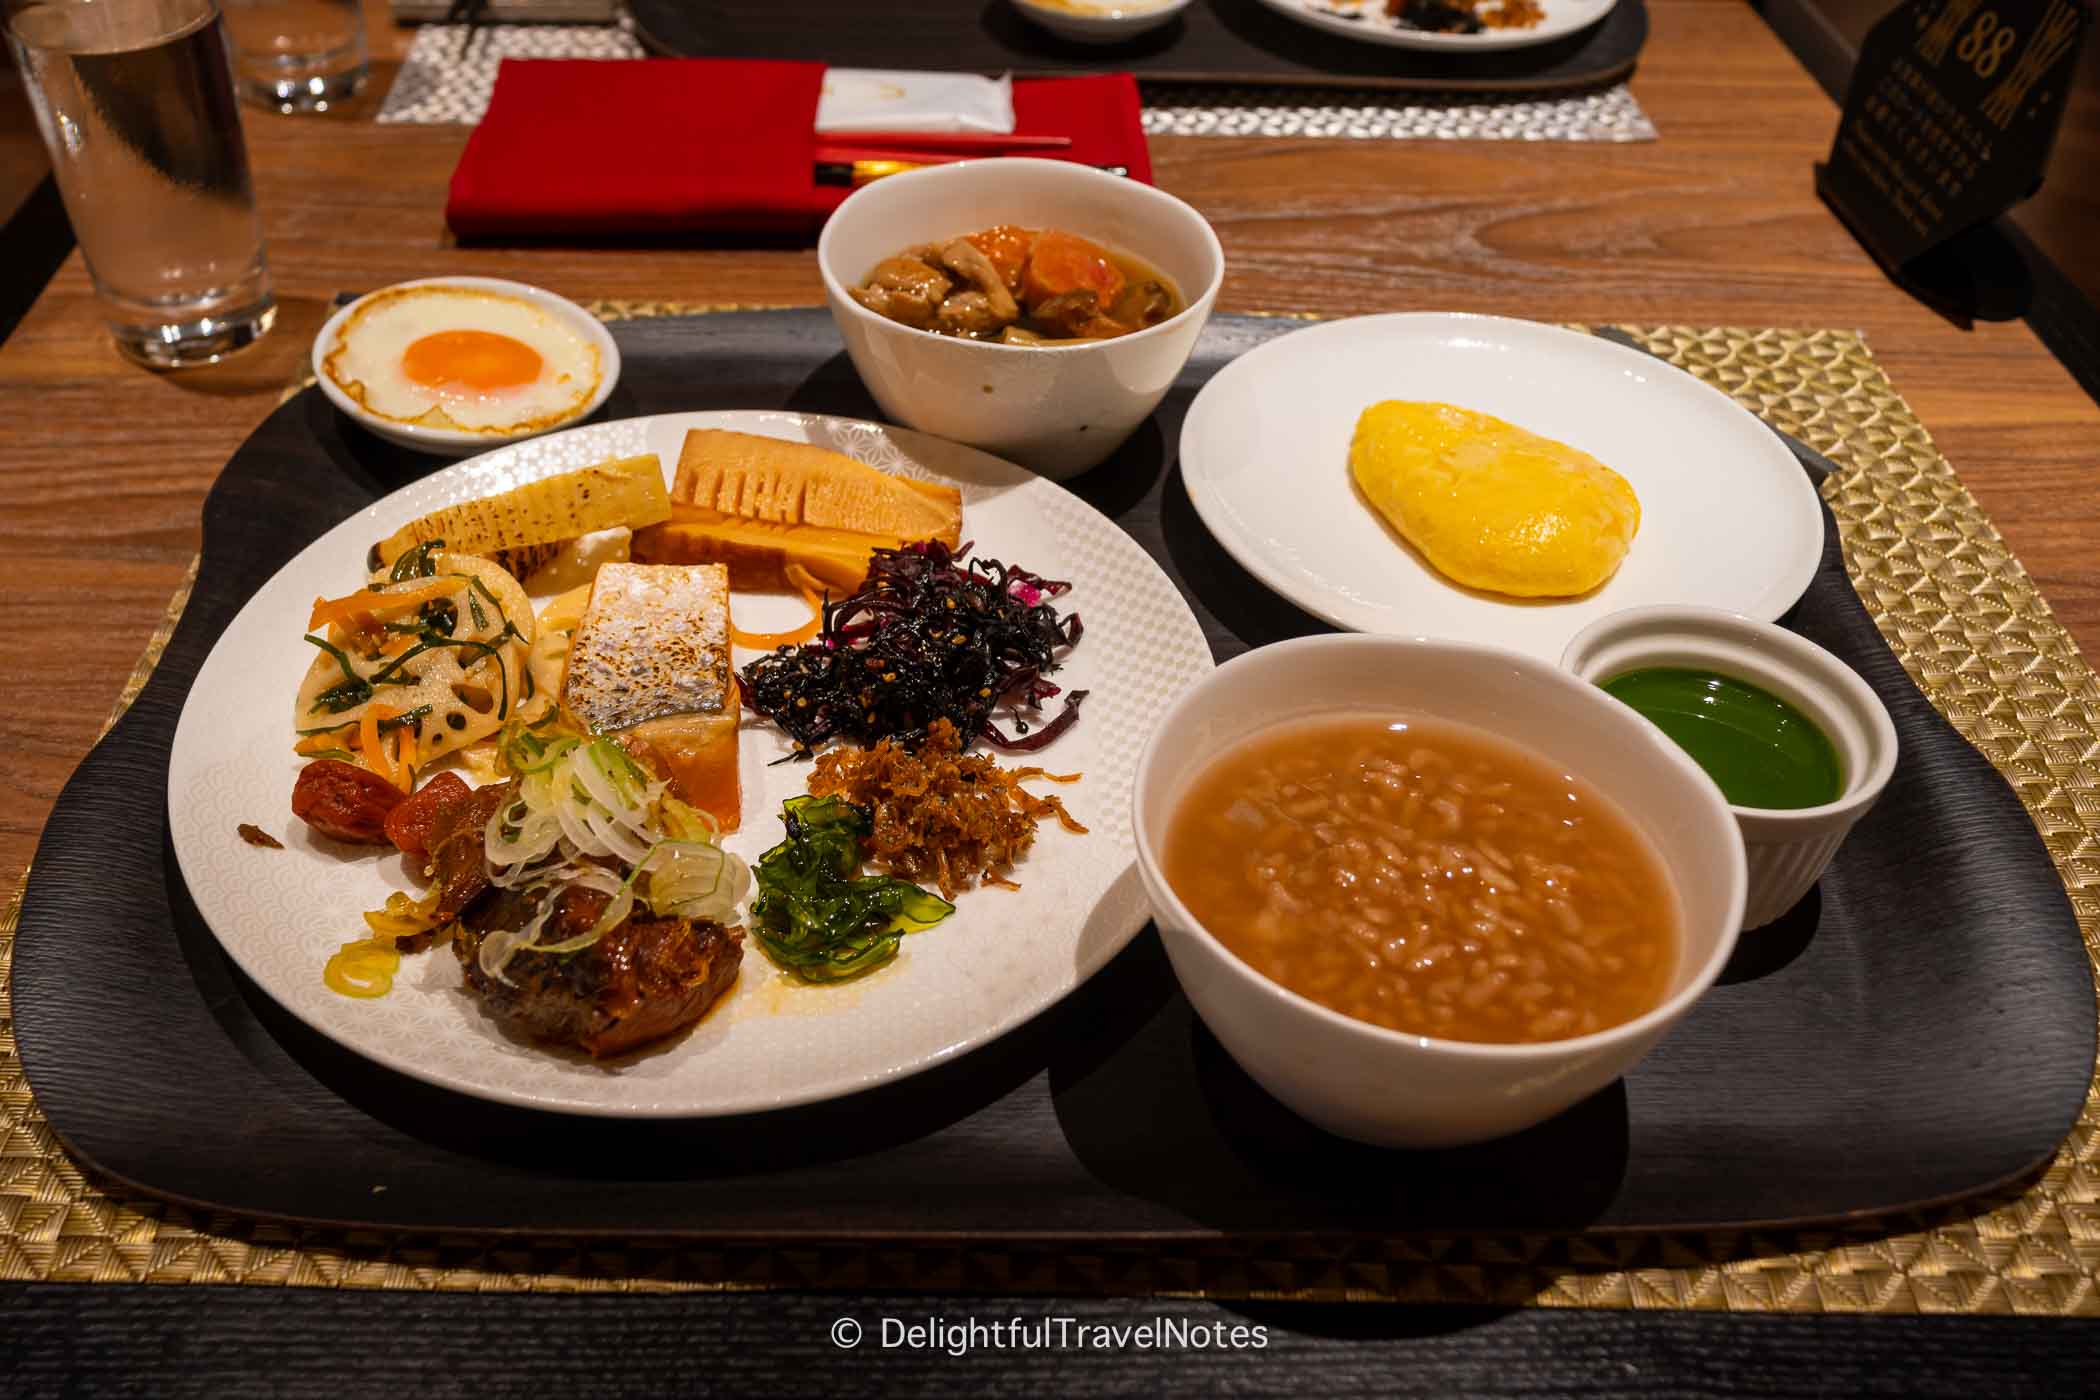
x=967 y=261
x=911 y=275
x=905 y=290
x=1142 y=304
x=879 y=301
x=1065 y=313
x=970 y=314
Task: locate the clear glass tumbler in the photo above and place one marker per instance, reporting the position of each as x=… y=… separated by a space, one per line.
x=135 y=102
x=298 y=55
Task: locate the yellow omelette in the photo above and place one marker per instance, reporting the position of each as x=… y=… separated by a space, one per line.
x=1490 y=504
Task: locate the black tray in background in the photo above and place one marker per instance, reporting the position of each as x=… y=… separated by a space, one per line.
x=1920 y=1029
x=1213 y=41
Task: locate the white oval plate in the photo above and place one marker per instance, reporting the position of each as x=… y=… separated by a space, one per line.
x=999 y=959
x=1728 y=518
x=1368 y=23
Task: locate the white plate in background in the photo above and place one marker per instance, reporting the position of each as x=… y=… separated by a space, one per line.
x=1369 y=23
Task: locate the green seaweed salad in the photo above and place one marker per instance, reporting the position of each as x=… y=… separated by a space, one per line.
x=815 y=914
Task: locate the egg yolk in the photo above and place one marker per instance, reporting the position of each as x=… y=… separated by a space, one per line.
x=476 y=360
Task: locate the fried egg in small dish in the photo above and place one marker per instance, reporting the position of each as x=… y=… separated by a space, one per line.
x=457 y=365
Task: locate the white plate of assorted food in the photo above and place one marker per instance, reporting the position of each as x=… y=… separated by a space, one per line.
x=1465 y=25
x=682 y=840
x=1492 y=480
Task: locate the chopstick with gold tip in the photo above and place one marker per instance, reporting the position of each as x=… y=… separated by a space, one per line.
x=983 y=143
x=855 y=173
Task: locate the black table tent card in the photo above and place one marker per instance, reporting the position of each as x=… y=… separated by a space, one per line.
x=1948 y=123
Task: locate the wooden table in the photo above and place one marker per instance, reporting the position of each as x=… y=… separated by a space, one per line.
x=105 y=465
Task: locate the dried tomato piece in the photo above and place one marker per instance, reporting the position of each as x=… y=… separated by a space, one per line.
x=345 y=802
x=409 y=825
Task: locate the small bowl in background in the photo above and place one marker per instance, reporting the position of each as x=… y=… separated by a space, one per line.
x=1787 y=849
x=1381 y=1086
x=452 y=442
x=1101 y=21
x=1056 y=410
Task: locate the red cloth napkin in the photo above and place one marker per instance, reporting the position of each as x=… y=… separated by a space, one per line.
x=579 y=147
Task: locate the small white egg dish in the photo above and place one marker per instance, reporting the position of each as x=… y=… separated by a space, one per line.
x=458 y=365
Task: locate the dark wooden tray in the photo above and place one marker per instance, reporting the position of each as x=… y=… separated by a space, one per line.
x=1214 y=41
x=1920 y=1029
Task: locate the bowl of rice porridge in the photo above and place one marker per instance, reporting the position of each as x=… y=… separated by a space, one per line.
x=1427 y=892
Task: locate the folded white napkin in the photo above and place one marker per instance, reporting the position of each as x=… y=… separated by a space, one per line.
x=880 y=99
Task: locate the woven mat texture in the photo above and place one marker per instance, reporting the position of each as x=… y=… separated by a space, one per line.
x=448 y=78
x=1969 y=626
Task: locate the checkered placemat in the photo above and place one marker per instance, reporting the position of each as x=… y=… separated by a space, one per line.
x=447 y=80
x=1605 y=114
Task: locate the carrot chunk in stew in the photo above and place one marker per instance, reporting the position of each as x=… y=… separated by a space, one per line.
x=1064 y=262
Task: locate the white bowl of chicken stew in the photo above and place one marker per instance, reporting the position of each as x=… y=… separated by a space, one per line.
x=1036 y=309
x=1425 y=892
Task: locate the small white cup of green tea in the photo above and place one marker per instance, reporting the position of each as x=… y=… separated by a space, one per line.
x=1788 y=847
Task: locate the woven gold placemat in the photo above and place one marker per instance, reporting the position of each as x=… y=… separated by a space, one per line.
x=1970 y=628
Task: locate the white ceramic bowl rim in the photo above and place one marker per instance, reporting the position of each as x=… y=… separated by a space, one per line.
x=1174 y=207
x=1659 y=1016
x=591 y=327
x=1113 y=14
x=1862 y=788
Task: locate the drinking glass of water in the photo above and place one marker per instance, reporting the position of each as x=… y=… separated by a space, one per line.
x=297 y=55
x=135 y=102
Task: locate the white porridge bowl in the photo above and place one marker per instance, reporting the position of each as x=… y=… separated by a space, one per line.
x=453 y=442
x=1386 y=1087
x=1056 y=410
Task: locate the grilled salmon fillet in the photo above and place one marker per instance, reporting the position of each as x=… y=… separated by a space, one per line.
x=650 y=666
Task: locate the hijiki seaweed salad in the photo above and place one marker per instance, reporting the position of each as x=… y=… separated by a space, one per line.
x=561 y=778
x=932 y=635
x=933 y=653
